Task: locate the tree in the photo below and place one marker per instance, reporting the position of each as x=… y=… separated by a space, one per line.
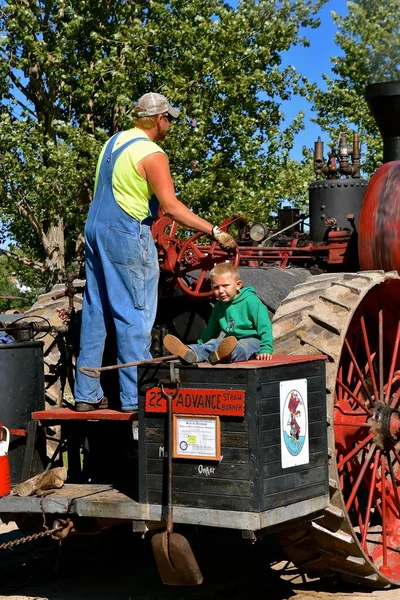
x=369 y=36
x=70 y=72
x=11 y=295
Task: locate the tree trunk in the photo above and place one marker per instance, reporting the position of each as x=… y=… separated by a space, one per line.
x=55 y=259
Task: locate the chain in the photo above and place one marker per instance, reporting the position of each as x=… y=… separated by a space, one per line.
x=59 y=532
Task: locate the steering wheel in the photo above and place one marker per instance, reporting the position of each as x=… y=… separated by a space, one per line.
x=195 y=261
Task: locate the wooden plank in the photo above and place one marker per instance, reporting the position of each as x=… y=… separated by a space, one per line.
x=66 y=414
x=227 y=423
x=230 y=455
x=294 y=481
x=223 y=470
x=292 y=496
x=29 y=450
x=207 y=502
x=194 y=486
x=274 y=468
x=232 y=439
x=271 y=388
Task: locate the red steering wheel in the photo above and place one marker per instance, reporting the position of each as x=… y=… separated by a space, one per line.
x=195 y=261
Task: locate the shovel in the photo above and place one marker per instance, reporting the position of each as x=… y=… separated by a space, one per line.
x=94 y=372
x=172 y=552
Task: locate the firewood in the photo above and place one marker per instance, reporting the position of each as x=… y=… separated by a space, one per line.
x=49 y=480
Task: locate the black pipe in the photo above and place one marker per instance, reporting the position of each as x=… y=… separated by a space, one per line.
x=384 y=104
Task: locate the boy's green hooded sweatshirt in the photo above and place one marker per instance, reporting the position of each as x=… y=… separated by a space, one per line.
x=244 y=316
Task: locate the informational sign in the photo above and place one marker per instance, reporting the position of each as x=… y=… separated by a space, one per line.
x=227 y=403
x=294 y=423
x=197 y=437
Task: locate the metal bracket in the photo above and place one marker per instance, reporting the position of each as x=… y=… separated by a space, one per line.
x=174 y=372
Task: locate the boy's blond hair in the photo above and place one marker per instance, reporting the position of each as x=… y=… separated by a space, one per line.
x=225 y=268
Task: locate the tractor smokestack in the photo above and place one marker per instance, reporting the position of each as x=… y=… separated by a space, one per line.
x=384 y=104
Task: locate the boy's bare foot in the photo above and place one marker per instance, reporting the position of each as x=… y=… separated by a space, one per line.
x=223 y=351
x=175 y=346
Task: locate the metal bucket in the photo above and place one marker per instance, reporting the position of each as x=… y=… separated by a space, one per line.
x=21 y=393
x=5 y=482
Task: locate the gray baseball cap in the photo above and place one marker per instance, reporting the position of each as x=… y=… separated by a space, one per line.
x=151 y=104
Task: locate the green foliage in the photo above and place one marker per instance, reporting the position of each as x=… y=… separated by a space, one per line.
x=369 y=37
x=9 y=287
x=72 y=70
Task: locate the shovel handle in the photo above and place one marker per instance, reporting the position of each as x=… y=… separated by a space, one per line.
x=94 y=372
x=169 y=396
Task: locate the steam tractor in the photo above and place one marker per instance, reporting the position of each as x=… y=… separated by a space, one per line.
x=306 y=445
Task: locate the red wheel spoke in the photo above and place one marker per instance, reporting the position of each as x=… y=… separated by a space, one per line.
x=393 y=365
x=213 y=247
x=384 y=513
x=354 y=451
x=200 y=280
x=395 y=398
x=357 y=368
x=394 y=483
x=380 y=321
x=369 y=357
x=351 y=366
x=350 y=373
x=397 y=455
x=371 y=495
x=360 y=478
x=356 y=503
x=196 y=250
x=339 y=393
x=357 y=400
x=358 y=386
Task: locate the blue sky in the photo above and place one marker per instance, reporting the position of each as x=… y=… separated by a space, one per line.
x=313 y=62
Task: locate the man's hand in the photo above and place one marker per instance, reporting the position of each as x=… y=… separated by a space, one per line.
x=225 y=240
x=264 y=356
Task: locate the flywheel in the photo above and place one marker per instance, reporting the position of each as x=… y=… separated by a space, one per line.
x=354 y=319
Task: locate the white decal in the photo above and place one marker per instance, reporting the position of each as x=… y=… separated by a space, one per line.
x=294 y=423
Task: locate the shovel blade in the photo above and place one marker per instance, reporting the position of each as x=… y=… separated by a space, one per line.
x=175 y=559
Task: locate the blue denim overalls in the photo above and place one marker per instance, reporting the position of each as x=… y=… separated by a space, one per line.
x=122 y=272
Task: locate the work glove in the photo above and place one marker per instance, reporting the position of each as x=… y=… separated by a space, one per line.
x=225 y=240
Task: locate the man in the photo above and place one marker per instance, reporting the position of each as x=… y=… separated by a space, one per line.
x=121 y=259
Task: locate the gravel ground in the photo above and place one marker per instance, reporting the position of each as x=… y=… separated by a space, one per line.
x=115 y=566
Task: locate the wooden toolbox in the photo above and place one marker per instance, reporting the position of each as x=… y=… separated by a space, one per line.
x=248 y=437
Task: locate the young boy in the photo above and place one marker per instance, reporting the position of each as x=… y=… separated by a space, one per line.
x=239 y=327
